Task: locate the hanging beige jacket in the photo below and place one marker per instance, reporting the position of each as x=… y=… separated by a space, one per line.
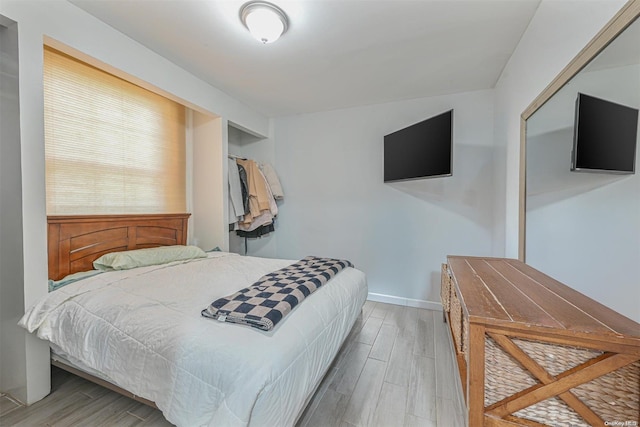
x=265 y=217
x=259 y=194
x=272 y=179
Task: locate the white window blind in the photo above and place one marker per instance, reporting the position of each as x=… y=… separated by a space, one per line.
x=111 y=147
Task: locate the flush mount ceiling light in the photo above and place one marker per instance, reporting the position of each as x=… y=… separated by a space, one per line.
x=266 y=21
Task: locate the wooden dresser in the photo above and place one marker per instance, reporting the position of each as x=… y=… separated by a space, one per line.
x=532 y=351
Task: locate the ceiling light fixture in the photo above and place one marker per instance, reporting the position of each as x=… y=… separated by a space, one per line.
x=266 y=21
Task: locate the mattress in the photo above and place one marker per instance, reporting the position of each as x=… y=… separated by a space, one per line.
x=141 y=329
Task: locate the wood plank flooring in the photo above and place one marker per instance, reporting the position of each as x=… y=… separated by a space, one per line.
x=395 y=369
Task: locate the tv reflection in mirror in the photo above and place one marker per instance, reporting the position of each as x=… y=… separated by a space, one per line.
x=422 y=150
x=605 y=136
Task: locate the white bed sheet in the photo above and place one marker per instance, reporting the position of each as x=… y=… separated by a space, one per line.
x=142 y=330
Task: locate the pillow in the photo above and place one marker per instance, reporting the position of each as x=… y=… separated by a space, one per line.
x=71 y=278
x=144 y=257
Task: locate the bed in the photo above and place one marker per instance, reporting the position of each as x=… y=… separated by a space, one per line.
x=141 y=331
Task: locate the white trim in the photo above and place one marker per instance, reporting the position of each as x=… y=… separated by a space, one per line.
x=418 y=303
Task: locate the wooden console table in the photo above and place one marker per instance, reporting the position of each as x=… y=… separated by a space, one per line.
x=532 y=351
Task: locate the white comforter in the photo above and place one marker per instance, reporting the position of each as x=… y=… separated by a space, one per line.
x=142 y=330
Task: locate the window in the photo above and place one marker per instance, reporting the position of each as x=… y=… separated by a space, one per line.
x=111 y=147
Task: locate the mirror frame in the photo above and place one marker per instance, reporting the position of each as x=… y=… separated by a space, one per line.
x=625 y=16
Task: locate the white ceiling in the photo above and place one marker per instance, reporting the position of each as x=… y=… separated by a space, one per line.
x=336 y=53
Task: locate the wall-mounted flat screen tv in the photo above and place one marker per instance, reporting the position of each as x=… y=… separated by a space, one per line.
x=422 y=150
x=605 y=136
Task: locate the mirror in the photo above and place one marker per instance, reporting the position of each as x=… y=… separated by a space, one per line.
x=583 y=228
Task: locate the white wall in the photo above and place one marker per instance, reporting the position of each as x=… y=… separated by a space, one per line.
x=13 y=339
x=71 y=28
x=209 y=214
x=557 y=32
x=337 y=205
x=24 y=358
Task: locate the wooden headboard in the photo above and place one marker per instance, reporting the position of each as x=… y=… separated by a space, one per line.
x=76 y=241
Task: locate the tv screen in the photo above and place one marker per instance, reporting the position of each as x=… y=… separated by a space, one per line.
x=422 y=150
x=605 y=136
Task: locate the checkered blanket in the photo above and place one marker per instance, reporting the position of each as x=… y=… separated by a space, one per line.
x=263 y=304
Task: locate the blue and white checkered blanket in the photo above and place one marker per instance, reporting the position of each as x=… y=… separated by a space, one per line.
x=263 y=304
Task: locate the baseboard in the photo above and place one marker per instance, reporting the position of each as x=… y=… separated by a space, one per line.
x=408 y=302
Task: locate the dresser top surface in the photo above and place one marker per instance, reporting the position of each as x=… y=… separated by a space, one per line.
x=508 y=291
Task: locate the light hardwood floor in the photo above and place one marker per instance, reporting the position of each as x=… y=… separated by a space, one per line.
x=395 y=369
